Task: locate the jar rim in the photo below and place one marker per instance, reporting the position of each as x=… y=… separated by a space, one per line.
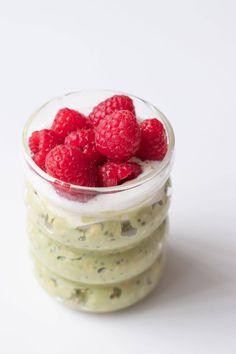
x=163 y=164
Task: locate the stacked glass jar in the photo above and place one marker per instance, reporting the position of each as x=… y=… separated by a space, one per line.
x=102 y=250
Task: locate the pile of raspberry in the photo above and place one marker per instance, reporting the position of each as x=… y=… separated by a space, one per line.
x=95 y=151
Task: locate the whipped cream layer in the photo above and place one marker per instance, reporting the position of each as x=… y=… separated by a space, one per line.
x=103 y=205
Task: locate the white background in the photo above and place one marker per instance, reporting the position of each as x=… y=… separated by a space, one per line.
x=181 y=56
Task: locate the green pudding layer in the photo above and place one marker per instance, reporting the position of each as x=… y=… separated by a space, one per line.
x=79 y=266
x=99 y=298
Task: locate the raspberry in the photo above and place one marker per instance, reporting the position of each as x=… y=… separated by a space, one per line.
x=40 y=143
x=68 y=164
x=136 y=170
x=65 y=190
x=110 y=105
x=118 y=136
x=39 y=158
x=153 y=144
x=44 y=139
x=34 y=142
x=112 y=174
x=84 y=139
x=66 y=121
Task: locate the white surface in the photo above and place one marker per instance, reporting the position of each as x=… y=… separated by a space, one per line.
x=180 y=55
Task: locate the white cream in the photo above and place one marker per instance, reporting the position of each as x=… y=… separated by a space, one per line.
x=101 y=206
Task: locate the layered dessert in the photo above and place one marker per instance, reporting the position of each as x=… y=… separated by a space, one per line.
x=98 y=193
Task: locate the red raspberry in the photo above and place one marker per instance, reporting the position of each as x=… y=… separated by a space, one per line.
x=68 y=164
x=84 y=139
x=112 y=174
x=44 y=139
x=66 y=121
x=34 y=142
x=39 y=158
x=110 y=105
x=118 y=136
x=65 y=190
x=153 y=144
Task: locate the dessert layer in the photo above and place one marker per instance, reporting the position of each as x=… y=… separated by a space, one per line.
x=116 y=231
x=99 y=298
x=79 y=266
x=102 y=204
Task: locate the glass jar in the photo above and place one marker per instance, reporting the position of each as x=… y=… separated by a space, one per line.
x=102 y=249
